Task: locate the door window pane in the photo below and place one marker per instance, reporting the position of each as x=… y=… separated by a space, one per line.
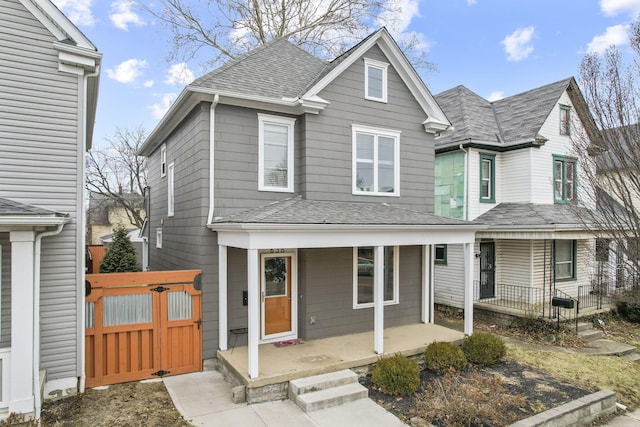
x=275 y=275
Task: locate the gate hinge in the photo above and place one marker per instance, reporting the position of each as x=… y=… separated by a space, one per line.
x=159 y=289
x=161 y=373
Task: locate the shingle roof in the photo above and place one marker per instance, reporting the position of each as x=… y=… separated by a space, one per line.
x=13 y=208
x=296 y=210
x=261 y=72
x=508 y=121
x=537 y=215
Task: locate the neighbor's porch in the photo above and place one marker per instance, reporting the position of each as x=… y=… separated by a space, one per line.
x=282 y=364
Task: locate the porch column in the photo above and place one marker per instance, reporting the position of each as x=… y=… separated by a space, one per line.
x=378 y=299
x=426 y=276
x=468 y=288
x=253 y=282
x=222 y=297
x=22 y=322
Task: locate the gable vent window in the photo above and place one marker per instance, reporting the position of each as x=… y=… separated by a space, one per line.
x=565 y=120
x=375 y=80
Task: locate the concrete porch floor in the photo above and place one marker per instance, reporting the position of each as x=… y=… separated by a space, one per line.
x=282 y=364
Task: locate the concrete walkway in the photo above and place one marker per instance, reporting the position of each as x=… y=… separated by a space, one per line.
x=204 y=399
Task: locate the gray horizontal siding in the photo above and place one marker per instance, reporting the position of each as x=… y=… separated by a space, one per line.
x=39 y=165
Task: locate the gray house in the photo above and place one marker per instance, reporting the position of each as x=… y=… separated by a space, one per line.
x=48 y=88
x=304 y=190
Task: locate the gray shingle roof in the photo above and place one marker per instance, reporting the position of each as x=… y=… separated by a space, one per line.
x=261 y=72
x=13 y=208
x=508 y=121
x=296 y=210
x=537 y=215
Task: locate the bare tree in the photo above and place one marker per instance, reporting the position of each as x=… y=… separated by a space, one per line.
x=326 y=28
x=612 y=92
x=117 y=174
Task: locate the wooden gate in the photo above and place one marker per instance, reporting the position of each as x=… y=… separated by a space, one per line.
x=142 y=325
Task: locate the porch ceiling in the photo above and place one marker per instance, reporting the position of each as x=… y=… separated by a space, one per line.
x=280 y=364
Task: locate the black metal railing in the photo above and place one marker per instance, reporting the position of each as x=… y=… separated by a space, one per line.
x=564 y=306
x=531 y=301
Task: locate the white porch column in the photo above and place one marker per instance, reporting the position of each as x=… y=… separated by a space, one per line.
x=378 y=299
x=222 y=297
x=468 y=288
x=253 y=285
x=22 y=321
x=426 y=284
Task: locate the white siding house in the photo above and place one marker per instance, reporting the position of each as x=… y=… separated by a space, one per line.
x=48 y=86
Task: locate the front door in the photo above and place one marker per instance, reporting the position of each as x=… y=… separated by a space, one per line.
x=487 y=270
x=277 y=296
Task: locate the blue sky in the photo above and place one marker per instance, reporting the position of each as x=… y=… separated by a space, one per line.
x=496 y=48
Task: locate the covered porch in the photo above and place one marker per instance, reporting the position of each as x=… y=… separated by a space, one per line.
x=313 y=357
x=294 y=225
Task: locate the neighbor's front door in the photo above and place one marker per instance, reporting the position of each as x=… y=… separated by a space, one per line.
x=487 y=270
x=277 y=295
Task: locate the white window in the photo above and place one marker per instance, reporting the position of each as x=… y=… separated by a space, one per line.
x=375 y=80
x=565 y=256
x=376 y=169
x=275 y=153
x=170 y=190
x=163 y=161
x=363 y=271
x=159 y=238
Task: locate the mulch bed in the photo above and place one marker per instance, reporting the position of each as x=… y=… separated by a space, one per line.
x=540 y=391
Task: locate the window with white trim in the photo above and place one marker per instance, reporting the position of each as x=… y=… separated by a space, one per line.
x=376 y=169
x=170 y=190
x=363 y=273
x=159 y=238
x=565 y=260
x=163 y=161
x=375 y=80
x=275 y=153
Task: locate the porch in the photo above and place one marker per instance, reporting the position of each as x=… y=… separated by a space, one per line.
x=282 y=364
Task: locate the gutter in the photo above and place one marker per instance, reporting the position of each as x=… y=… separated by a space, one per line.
x=212 y=147
x=36 y=317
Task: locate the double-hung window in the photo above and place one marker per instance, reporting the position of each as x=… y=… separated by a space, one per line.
x=487 y=178
x=163 y=161
x=376 y=168
x=564 y=179
x=275 y=153
x=364 y=270
x=375 y=80
x=565 y=120
x=170 y=190
x=565 y=260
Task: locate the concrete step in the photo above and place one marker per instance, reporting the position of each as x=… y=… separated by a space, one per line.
x=321 y=382
x=584 y=326
x=330 y=397
x=609 y=347
x=634 y=357
x=590 y=334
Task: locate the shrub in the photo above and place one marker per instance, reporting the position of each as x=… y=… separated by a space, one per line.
x=629 y=306
x=484 y=348
x=121 y=255
x=396 y=375
x=442 y=356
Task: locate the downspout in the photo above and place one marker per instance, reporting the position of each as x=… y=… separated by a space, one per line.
x=81 y=229
x=212 y=132
x=466 y=179
x=36 y=317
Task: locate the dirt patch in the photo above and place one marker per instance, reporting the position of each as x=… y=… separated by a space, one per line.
x=131 y=404
x=531 y=392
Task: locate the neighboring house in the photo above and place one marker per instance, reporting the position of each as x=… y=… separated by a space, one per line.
x=511 y=165
x=48 y=88
x=105 y=213
x=293 y=179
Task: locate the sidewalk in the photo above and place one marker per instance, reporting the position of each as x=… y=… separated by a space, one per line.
x=204 y=399
x=631 y=419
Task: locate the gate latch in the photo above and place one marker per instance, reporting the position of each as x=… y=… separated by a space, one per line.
x=161 y=373
x=159 y=289
x=199 y=322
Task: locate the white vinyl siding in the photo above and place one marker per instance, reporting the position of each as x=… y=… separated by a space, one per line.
x=275 y=152
x=513 y=262
x=363 y=276
x=375 y=81
x=41 y=158
x=449 y=278
x=376 y=170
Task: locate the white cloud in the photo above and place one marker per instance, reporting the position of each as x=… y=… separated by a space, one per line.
x=398 y=18
x=148 y=83
x=613 y=36
x=495 y=95
x=615 y=7
x=128 y=71
x=122 y=15
x=179 y=75
x=160 y=108
x=517 y=45
x=78 y=11
x=471 y=2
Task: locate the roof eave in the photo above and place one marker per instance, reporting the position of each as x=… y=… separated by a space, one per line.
x=33 y=220
x=257 y=227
